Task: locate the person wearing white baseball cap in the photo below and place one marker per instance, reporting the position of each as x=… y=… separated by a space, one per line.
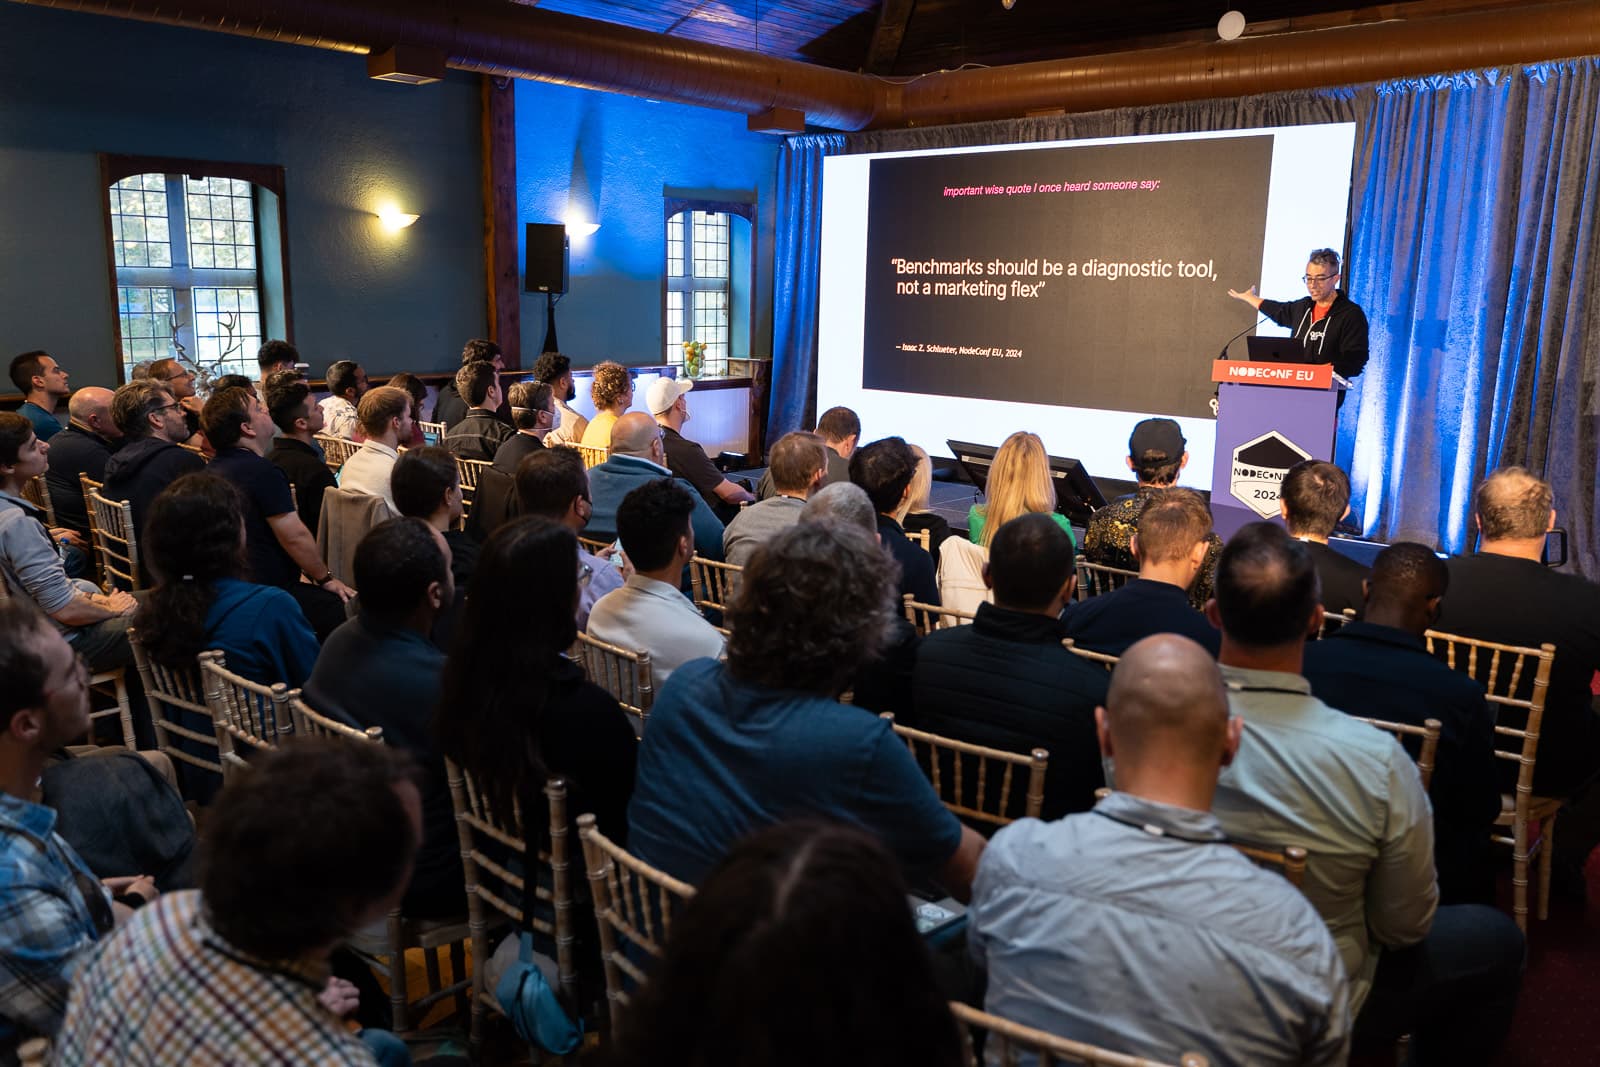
x=687 y=460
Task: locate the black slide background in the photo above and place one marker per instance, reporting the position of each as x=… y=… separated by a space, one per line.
x=1133 y=344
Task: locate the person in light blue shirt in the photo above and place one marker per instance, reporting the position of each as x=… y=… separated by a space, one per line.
x=638 y=456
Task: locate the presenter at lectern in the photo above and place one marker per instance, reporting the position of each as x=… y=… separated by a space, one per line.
x=1332 y=327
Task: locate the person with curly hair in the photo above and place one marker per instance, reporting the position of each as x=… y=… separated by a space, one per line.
x=735 y=746
x=612 y=393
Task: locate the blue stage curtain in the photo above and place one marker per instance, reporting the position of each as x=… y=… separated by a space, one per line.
x=1474 y=250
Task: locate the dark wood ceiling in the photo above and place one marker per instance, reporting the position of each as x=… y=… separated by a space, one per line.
x=907 y=37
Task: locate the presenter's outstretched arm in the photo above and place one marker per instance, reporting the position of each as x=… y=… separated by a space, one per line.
x=1249 y=296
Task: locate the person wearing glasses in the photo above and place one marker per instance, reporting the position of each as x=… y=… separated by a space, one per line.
x=153 y=425
x=180 y=380
x=1332 y=327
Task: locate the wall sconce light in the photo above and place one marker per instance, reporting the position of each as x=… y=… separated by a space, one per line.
x=582 y=229
x=395 y=220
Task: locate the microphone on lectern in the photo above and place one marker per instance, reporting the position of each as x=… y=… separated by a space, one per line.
x=1224 y=353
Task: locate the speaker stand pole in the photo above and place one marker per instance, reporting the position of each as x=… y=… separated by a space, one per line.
x=550 y=344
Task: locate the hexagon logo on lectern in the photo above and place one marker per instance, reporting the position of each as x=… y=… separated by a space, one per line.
x=1258 y=469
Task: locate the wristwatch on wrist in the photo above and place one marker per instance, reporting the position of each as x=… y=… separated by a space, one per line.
x=324 y=580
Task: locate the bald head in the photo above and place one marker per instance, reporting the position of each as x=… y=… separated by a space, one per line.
x=1166 y=709
x=90 y=407
x=634 y=435
x=1513 y=505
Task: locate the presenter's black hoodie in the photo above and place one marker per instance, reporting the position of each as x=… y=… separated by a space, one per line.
x=1340 y=338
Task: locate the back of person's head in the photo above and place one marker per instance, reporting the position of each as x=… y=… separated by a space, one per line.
x=381 y=406
x=474 y=381
x=1407 y=581
x=288 y=399
x=1513 y=504
x=548 y=481
x=1315 y=495
x=921 y=482
x=133 y=403
x=527 y=399
x=1019 y=482
x=23 y=671
x=1266 y=587
x=634 y=434
x=519 y=617
x=550 y=366
x=192 y=538
x=611 y=384
x=274 y=354
x=416 y=388
x=395 y=566
x=1167 y=705
x=24 y=368
x=314 y=842
x=15 y=430
x=422 y=479
x=225 y=416
x=236 y=381
x=795 y=461
x=814 y=603
x=1155 y=451
x=884 y=469
x=342 y=376
x=838 y=424
x=1171 y=523
x=1030 y=562
x=141 y=370
x=479 y=350
x=841 y=504
x=650 y=521
x=738 y=985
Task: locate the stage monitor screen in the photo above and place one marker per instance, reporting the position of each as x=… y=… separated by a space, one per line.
x=1069 y=288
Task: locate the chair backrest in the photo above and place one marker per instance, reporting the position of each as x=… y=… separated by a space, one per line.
x=335 y=450
x=1334 y=621
x=625 y=674
x=592 y=456
x=470 y=470
x=633 y=906
x=952 y=766
x=711 y=584
x=1501 y=669
x=930 y=617
x=1101 y=659
x=432 y=432
x=169 y=692
x=594 y=546
x=494 y=854
x=921 y=538
x=309 y=722
x=246 y=713
x=1097 y=578
x=1427 y=745
x=116 y=547
x=196 y=449
x=1009 y=1044
x=36 y=492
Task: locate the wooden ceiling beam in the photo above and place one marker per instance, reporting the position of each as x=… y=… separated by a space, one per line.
x=893 y=18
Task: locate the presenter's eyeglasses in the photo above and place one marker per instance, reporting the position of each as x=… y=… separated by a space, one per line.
x=1317 y=278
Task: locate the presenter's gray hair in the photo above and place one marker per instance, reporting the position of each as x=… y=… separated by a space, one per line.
x=842 y=503
x=1325 y=257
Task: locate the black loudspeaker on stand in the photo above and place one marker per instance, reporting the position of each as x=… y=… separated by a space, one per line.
x=545 y=270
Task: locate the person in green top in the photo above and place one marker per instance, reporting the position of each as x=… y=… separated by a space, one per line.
x=1019 y=483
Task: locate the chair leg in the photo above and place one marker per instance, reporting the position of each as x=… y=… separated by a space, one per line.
x=398 y=997
x=458 y=973
x=430 y=958
x=1547 y=846
x=1519 y=873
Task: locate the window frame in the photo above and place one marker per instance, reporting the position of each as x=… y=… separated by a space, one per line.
x=738 y=289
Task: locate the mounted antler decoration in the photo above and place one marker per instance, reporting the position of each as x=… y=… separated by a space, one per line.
x=207 y=371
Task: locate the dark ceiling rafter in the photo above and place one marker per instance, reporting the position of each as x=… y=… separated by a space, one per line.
x=893 y=18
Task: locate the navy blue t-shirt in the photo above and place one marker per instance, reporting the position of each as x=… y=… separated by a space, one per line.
x=722 y=758
x=264 y=491
x=1114 y=621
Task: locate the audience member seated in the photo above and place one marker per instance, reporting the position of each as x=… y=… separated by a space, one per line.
x=1019 y=483
x=840 y=430
x=637 y=456
x=1311 y=776
x=418 y=391
x=1314 y=497
x=43 y=385
x=385 y=417
x=797 y=466
x=427 y=486
x=739 y=981
x=149 y=460
x=553 y=484
x=1171 y=544
x=734 y=746
x=295 y=450
x=843 y=503
x=274 y=357
x=84 y=447
x=611 y=392
x=347 y=382
x=919 y=516
x=95 y=623
x=179 y=380
x=480 y=433
x=1006 y=681
x=278 y=546
x=533 y=414
x=381 y=669
x=884 y=469
x=1156 y=453
x=1105 y=926
x=555 y=370
x=54 y=907
x=313 y=844
x=667 y=400
x=1380 y=668
x=649 y=612
x=449 y=407
x=241 y=381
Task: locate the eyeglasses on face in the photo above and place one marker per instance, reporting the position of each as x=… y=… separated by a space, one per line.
x=1317 y=278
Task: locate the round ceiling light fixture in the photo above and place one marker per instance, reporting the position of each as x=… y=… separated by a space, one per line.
x=1230 y=26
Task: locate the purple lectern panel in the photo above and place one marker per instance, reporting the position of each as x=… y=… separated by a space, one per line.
x=1262 y=431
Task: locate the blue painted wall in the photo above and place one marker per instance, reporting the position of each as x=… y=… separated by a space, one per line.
x=74 y=85
x=607 y=158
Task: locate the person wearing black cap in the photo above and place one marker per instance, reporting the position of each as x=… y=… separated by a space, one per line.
x=1157 y=451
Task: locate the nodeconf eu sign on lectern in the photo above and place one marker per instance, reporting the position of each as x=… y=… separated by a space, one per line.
x=1270 y=416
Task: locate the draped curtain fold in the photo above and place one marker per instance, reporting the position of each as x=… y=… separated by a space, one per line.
x=1473 y=218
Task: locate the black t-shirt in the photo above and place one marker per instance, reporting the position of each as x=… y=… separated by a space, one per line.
x=1341 y=579
x=1113 y=621
x=308 y=472
x=917 y=574
x=264 y=490
x=689 y=461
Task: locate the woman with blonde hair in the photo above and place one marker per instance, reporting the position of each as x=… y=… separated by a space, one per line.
x=919 y=515
x=612 y=393
x=1019 y=483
